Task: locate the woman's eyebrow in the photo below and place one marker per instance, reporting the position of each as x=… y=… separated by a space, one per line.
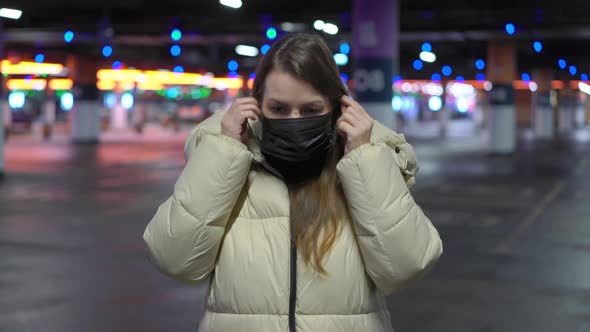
x=319 y=103
x=314 y=103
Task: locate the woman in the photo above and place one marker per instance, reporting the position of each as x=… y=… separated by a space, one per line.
x=294 y=204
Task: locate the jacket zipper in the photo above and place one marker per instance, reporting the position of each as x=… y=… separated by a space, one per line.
x=293 y=287
x=293 y=265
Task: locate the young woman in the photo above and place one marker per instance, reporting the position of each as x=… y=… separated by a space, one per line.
x=295 y=206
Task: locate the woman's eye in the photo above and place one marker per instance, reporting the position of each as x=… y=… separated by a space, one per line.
x=312 y=111
x=278 y=110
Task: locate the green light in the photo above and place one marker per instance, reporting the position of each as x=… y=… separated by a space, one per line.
x=176 y=35
x=271 y=33
x=196 y=93
x=205 y=92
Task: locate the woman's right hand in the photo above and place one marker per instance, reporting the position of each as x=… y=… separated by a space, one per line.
x=234 y=122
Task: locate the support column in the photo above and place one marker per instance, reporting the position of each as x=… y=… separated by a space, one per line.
x=567 y=103
x=443 y=113
x=376 y=53
x=501 y=71
x=543 y=117
x=580 y=110
x=85 y=115
x=119 y=116
x=49 y=110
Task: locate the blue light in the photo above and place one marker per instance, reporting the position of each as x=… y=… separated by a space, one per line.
x=172 y=93
x=480 y=77
x=538 y=46
x=462 y=105
x=253 y=76
x=117 y=65
x=584 y=77
x=39 y=58
x=344 y=48
x=436 y=77
x=68 y=36
x=344 y=77
x=127 y=100
x=232 y=74
x=178 y=69
x=447 y=70
x=67 y=101
x=396 y=103
x=562 y=64
x=271 y=33
x=480 y=64
x=341 y=59
x=176 y=35
x=109 y=100
x=107 y=51
x=525 y=77
x=435 y=103
x=460 y=78
x=16 y=99
x=232 y=65
x=510 y=29
x=418 y=64
x=264 y=48
x=397 y=78
x=426 y=47
x=573 y=70
x=175 y=50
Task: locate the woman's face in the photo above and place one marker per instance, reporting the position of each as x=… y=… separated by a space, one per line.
x=287 y=97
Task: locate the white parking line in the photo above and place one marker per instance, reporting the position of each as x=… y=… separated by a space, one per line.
x=505 y=247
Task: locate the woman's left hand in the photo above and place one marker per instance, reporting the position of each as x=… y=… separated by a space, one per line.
x=355 y=124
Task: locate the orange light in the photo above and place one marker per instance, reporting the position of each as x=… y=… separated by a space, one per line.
x=574 y=84
x=61 y=84
x=171 y=78
x=520 y=85
x=126 y=85
x=26 y=84
x=30 y=68
x=478 y=85
x=251 y=83
x=130 y=75
x=157 y=79
x=557 y=85
x=227 y=83
x=149 y=86
x=106 y=85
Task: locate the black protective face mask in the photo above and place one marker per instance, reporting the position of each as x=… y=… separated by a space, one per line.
x=297 y=148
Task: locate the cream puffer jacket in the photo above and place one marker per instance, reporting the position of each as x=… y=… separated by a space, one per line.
x=228 y=221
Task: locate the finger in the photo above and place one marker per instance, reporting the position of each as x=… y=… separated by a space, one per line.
x=247 y=100
x=247 y=114
x=348 y=117
x=350 y=102
x=354 y=113
x=249 y=107
x=345 y=129
x=359 y=118
x=357 y=108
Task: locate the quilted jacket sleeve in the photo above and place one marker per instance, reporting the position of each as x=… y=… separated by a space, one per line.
x=184 y=235
x=398 y=242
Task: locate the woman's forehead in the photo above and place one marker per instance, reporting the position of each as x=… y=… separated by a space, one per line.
x=283 y=87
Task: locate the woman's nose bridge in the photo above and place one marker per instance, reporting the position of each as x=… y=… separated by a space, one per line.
x=295 y=113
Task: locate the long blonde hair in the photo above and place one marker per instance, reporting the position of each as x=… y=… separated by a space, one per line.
x=318 y=207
